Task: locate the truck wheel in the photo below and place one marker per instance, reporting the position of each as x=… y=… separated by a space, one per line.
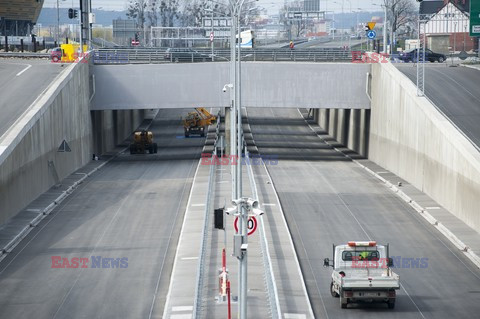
x=332 y=291
x=391 y=304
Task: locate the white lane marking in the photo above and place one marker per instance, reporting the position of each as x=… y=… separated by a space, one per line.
x=383 y=172
x=197 y=205
x=181 y=316
x=289 y=236
x=28 y=67
x=433 y=207
x=180 y=237
x=294 y=316
x=268 y=204
x=189 y=258
x=182 y=308
x=353 y=215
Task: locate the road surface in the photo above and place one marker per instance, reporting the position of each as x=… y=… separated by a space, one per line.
x=132 y=208
x=455 y=91
x=21 y=82
x=328 y=199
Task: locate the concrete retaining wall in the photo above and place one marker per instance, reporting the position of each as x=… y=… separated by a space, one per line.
x=264 y=84
x=349 y=127
x=29 y=159
x=409 y=137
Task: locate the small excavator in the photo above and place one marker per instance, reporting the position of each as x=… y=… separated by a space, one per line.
x=143 y=142
x=197 y=122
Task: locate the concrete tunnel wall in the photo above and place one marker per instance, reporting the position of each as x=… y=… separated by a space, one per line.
x=349 y=127
x=29 y=159
x=408 y=136
x=264 y=84
x=411 y=138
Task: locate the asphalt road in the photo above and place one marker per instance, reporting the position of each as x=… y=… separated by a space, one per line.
x=21 y=82
x=328 y=199
x=455 y=91
x=132 y=208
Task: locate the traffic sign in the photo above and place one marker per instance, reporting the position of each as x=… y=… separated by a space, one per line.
x=251 y=225
x=371 y=25
x=475 y=18
x=371 y=34
x=211 y=36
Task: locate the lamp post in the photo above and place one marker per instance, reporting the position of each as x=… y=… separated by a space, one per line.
x=349 y=35
x=236 y=139
x=385 y=26
x=58 y=22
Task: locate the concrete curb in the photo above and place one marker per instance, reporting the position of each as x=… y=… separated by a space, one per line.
x=467 y=251
x=289 y=234
x=470 y=67
x=47 y=211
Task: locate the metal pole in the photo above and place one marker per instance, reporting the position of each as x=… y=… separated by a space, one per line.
x=455 y=37
x=385 y=32
x=244 y=215
x=58 y=23
x=233 y=133
x=80 y=20
x=212 y=33
x=89 y=10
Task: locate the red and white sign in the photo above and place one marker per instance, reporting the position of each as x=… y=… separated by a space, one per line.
x=211 y=36
x=251 y=225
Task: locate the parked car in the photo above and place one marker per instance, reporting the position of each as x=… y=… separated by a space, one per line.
x=56 y=54
x=411 y=56
x=185 y=55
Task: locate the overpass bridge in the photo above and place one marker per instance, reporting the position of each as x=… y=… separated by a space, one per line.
x=385 y=165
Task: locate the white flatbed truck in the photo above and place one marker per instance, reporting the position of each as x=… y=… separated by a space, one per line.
x=362 y=273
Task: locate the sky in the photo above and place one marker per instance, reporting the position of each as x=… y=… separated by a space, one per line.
x=271 y=5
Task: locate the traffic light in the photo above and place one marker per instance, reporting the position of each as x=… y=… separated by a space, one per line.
x=72 y=13
x=219 y=218
x=136 y=37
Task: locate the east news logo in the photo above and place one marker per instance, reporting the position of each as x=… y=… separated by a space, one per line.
x=92 y=262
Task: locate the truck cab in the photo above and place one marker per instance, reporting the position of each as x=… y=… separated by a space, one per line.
x=362 y=273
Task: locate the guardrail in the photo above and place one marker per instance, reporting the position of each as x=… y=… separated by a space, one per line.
x=160 y=55
x=24 y=55
x=197 y=303
x=271 y=284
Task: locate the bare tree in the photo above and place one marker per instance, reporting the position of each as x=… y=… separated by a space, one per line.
x=136 y=10
x=400 y=14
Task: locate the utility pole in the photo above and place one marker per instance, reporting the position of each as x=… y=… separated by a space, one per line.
x=211 y=39
x=385 y=31
x=58 y=23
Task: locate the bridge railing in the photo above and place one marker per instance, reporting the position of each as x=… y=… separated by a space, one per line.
x=160 y=55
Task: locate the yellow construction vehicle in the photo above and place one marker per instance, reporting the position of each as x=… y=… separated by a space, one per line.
x=198 y=121
x=142 y=142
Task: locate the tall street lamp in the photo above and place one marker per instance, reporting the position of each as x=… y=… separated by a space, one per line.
x=236 y=149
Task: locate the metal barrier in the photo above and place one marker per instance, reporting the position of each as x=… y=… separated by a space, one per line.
x=24 y=55
x=159 y=55
x=197 y=303
x=270 y=282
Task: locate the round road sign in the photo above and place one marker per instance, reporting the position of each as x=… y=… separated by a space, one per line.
x=211 y=36
x=251 y=225
x=371 y=34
